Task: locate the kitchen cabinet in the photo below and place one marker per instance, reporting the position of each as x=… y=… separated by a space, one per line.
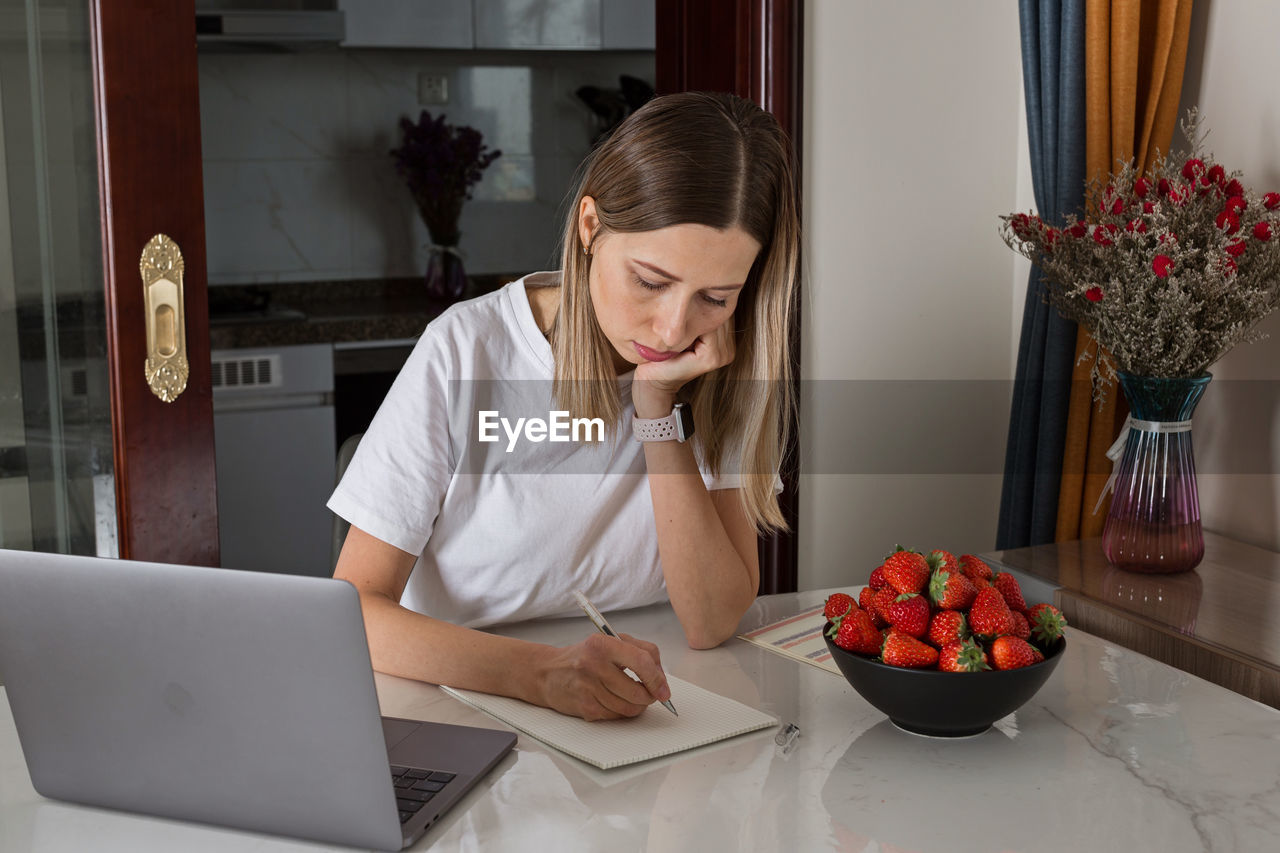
x=537 y=24
x=397 y=23
x=501 y=24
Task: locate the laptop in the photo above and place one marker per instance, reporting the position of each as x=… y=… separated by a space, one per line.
x=227 y=697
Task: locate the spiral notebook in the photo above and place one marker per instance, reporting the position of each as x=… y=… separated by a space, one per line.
x=705 y=717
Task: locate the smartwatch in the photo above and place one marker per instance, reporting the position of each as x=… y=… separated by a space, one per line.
x=677 y=426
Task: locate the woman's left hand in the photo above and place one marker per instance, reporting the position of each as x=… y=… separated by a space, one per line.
x=657 y=382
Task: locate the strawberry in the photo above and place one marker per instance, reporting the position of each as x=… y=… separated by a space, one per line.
x=1013 y=653
x=865 y=601
x=906 y=571
x=837 y=604
x=1021 y=628
x=858 y=633
x=1047 y=623
x=909 y=614
x=880 y=604
x=980 y=582
x=939 y=559
x=965 y=656
x=975 y=568
x=1009 y=588
x=989 y=616
x=877 y=580
x=951 y=590
x=900 y=649
x=947 y=626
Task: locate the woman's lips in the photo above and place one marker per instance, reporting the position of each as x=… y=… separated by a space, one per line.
x=653 y=354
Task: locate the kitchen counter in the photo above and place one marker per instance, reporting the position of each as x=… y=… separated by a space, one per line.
x=1218 y=621
x=1116 y=752
x=255 y=316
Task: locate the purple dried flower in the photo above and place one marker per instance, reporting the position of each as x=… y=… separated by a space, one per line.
x=441 y=162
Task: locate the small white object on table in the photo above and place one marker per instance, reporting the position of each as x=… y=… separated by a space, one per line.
x=1116 y=752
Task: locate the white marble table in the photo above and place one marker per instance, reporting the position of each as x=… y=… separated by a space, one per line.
x=1116 y=752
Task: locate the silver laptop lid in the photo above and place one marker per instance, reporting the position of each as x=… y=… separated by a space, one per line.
x=226 y=697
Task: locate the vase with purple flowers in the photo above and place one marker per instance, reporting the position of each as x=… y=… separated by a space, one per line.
x=441 y=163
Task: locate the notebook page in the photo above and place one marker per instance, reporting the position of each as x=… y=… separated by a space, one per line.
x=705 y=717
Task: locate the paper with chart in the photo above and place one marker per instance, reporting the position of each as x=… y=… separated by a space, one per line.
x=798 y=637
x=705 y=717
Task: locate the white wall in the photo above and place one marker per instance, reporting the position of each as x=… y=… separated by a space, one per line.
x=1232 y=69
x=911 y=150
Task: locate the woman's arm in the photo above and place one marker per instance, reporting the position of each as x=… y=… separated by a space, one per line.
x=707 y=545
x=585 y=679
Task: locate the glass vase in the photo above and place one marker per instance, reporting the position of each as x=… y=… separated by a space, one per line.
x=1154 y=522
x=446 y=280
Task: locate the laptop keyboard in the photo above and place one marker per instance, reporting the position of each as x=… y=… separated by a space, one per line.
x=416 y=787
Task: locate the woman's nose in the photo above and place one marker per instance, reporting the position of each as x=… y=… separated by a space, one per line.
x=670 y=321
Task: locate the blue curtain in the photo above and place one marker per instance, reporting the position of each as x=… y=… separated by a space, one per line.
x=1053 y=82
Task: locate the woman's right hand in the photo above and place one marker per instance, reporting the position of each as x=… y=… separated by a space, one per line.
x=587 y=680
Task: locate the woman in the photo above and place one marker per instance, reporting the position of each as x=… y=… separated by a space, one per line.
x=678 y=275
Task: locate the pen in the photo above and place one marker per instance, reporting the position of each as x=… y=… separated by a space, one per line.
x=597 y=619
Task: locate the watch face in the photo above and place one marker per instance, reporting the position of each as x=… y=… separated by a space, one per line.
x=684 y=416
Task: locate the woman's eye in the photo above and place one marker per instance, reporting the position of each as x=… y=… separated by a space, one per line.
x=719 y=303
x=647 y=285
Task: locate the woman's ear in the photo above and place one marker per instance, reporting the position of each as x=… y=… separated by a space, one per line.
x=588 y=221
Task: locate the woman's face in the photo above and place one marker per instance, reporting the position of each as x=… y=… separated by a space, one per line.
x=656 y=292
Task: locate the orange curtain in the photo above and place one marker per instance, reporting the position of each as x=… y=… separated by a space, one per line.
x=1135 y=52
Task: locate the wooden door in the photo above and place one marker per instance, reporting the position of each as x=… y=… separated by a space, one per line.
x=146 y=100
x=753 y=49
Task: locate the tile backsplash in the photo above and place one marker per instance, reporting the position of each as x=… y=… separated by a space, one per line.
x=299 y=184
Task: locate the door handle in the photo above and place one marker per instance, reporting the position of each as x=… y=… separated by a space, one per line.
x=162 y=270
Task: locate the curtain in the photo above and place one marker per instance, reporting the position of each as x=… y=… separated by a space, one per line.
x=1052 y=34
x=1135 y=53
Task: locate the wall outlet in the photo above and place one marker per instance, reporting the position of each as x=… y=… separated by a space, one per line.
x=433 y=88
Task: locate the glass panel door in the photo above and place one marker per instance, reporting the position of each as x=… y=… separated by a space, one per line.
x=57 y=491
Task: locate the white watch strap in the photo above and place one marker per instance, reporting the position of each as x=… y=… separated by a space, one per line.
x=659 y=429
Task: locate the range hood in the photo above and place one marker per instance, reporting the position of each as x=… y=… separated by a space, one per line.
x=282 y=29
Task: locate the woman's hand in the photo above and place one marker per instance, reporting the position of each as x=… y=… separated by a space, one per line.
x=657 y=382
x=587 y=680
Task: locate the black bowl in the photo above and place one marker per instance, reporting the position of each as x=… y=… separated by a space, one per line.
x=943 y=704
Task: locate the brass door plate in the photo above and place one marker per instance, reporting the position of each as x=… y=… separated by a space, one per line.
x=162 y=272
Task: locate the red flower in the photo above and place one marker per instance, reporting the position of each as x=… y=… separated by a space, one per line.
x=1100 y=237
x=1271 y=201
x=1234 y=188
x=1078 y=230
x=1148 y=207
x=1235 y=249
x=1192 y=169
x=1164 y=186
x=1161 y=265
x=1136 y=226
x=1141 y=187
x=1228 y=221
x=1093 y=294
x=1229 y=268
x=1236 y=202
x=1117 y=206
x=1262 y=231
x=1216 y=174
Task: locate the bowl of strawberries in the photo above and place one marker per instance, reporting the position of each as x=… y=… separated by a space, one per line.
x=943 y=645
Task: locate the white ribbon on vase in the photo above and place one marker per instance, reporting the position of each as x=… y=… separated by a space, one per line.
x=1117 y=447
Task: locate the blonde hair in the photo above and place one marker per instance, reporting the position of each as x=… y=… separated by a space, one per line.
x=708 y=159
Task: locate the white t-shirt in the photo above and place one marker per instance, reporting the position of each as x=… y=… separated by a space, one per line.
x=506 y=529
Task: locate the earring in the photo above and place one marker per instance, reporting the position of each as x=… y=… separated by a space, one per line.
x=586 y=250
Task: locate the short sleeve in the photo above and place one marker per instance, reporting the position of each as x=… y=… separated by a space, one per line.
x=396 y=482
x=730 y=476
